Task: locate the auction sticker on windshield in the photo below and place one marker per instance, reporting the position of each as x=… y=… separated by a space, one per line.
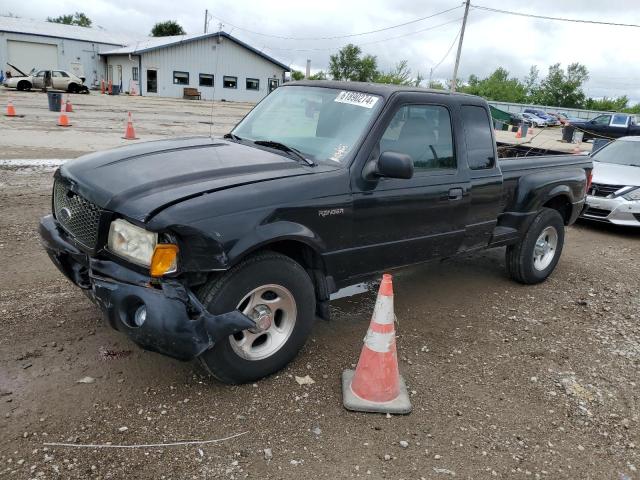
x=357 y=98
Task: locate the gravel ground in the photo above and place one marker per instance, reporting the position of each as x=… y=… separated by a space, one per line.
x=506 y=381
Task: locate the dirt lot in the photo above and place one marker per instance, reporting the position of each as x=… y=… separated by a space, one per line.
x=506 y=381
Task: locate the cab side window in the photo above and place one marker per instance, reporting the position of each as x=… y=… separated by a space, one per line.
x=477 y=135
x=424 y=133
x=602 y=120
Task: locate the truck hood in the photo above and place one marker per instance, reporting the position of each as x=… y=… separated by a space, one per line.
x=140 y=180
x=614 y=174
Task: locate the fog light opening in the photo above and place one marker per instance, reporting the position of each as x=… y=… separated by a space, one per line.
x=140 y=316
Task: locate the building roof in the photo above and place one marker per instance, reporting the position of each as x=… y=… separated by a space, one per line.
x=58 y=30
x=155 y=43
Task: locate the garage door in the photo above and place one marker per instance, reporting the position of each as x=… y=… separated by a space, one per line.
x=28 y=55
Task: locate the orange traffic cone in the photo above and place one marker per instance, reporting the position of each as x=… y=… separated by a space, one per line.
x=376 y=384
x=110 y=87
x=519 y=132
x=11 y=110
x=63 y=120
x=68 y=107
x=576 y=150
x=130 y=133
x=102 y=89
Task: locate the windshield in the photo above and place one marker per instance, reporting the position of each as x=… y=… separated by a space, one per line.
x=620 y=152
x=321 y=123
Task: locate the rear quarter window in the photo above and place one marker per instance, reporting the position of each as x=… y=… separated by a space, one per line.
x=478 y=138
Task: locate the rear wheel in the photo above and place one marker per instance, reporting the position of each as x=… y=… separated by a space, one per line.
x=536 y=255
x=275 y=292
x=72 y=88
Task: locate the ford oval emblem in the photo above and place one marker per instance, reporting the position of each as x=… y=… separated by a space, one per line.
x=64 y=215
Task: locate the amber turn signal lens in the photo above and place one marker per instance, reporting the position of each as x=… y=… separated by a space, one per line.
x=164 y=260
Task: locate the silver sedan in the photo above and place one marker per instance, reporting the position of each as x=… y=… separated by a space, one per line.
x=614 y=195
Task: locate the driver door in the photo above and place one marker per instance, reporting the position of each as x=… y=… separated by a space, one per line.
x=38 y=79
x=400 y=222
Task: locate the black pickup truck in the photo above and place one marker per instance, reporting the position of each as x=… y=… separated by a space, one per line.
x=609 y=125
x=226 y=249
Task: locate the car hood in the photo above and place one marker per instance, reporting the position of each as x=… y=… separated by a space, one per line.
x=140 y=180
x=614 y=174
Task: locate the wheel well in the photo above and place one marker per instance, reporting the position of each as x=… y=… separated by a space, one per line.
x=562 y=204
x=312 y=262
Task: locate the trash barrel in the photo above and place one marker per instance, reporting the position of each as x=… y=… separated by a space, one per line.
x=55 y=101
x=525 y=129
x=115 y=90
x=567 y=133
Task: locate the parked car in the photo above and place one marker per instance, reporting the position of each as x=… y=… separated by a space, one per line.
x=614 y=196
x=534 y=120
x=226 y=249
x=538 y=112
x=568 y=119
x=610 y=125
x=55 y=79
x=553 y=119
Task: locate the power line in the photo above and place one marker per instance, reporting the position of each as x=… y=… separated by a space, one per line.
x=559 y=19
x=335 y=37
x=448 y=52
x=456 y=20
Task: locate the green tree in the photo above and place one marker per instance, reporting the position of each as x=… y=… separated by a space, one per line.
x=297 y=75
x=78 y=18
x=560 y=88
x=607 y=104
x=167 y=29
x=321 y=75
x=436 y=85
x=400 y=75
x=349 y=64
x=497 y=86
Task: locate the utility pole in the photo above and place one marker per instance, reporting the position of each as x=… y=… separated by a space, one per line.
x=464 y=24
x=206 y=20
x=308 y=71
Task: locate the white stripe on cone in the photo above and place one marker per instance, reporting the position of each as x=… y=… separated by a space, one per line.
x=379 y=342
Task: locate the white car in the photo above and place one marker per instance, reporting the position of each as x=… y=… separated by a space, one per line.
x=55 y=79
x=614 y=195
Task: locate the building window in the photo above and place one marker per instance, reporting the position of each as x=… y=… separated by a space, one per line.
x=134 y=74
x=230 y=82
x=206 y=80
x=253 y=84
x=180 y=78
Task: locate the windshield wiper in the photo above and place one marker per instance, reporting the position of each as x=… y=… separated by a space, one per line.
x=232 y=136
x=285 y=148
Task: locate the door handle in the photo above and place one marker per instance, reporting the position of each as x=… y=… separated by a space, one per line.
x=455 y=194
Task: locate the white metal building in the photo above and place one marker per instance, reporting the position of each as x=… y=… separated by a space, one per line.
x=217 y=65
x=29 y=44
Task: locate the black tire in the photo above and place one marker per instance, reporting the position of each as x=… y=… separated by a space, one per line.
x=224 y=293
x=520 y=256
x=23 y=85
x=72 y=88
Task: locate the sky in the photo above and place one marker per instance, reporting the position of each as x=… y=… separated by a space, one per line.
x=491 y=39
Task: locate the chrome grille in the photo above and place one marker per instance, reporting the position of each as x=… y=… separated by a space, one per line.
x=603 y=190
x=78 y=216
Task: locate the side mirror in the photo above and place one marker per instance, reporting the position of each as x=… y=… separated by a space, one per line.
x=394 y=165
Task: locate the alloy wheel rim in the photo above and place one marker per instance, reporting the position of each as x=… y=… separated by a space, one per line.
x=545 y=248
x=274 y=310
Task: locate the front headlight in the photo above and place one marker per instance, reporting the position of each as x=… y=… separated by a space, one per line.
x=132 y=243
x=633 y=195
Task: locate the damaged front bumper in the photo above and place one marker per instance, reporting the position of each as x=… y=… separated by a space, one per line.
x=175 y=323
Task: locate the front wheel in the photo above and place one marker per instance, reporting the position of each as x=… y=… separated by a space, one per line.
x=275 y=292
x=536 y=255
